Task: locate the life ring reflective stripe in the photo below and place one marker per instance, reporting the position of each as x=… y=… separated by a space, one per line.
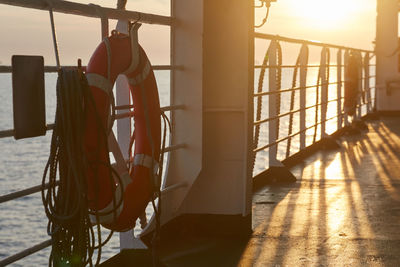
x=100 y=82
x=116 y=55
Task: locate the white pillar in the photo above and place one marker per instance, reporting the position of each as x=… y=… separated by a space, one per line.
x=386 y=56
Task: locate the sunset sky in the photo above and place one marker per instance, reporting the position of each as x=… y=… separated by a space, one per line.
x=24 y=31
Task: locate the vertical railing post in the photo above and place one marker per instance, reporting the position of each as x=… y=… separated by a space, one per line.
x=324 y=90
x=367 y=88
x=122 y=97
x=303 y=84
x=360 y=86
x=346 y=60
x=272 y=105
x=339 y=89
x=104 y=27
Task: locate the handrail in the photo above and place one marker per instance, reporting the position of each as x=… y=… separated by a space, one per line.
x=50 y=69
x=26 y=252
x=23 y=193
x=73 y=8
x=291 y=89
x=308 y=42
x=10 y=132
x=300 y=82
x=299 y=132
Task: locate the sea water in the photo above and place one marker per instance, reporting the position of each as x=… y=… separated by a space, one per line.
x=23 y=222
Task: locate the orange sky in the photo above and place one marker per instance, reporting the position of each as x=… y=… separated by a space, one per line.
x=24 y=31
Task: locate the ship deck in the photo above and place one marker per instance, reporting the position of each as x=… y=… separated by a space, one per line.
x=344 y=210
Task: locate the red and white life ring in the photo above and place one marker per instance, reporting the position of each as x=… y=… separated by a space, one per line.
x=121 y=54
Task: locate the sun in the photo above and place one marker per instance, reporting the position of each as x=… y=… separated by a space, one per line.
x=327 y=14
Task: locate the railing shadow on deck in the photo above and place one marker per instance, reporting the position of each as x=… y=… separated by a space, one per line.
x=344 y=209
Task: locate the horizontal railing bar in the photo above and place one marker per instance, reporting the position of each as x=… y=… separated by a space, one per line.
x=51 y=69
x=305 y=129
x=10 y=132
x=171 y=188
x=173 y=148
x=294 y=111
x=293 y=66
x=308 y=42
x=23 y=193
x=73 y=8
x=292 y=89
x=122 y=107
x=173 y=107
x=26 y=252
x=132 y=113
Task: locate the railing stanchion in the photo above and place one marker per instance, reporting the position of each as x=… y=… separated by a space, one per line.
x=360 y=86
x=367 y=89
x=346 y=60
x=324 y=89
x=303 y=92
x=339 y=89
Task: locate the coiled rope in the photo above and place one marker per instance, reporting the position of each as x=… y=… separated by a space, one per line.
x=74 y=240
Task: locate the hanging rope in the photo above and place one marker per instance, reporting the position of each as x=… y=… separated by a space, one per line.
x=292 y=98
x=73 y=238
x=259 y=104
x=320 y=82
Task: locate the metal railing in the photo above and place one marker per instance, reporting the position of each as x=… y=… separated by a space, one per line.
x=324 y=92
x=104 y=14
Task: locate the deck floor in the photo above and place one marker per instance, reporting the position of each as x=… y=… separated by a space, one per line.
x=344 y=209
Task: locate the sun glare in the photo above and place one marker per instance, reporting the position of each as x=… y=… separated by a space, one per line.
x=328 y=14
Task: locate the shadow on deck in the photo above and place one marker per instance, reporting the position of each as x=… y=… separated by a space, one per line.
x=344 y=210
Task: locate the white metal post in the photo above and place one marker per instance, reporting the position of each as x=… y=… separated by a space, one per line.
x=346 y=60
x=360 y=86
x=367 y=88
x=339 y=89
x=303 y=84
x=273 y=124
x=324 y=90
x=122 y=97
